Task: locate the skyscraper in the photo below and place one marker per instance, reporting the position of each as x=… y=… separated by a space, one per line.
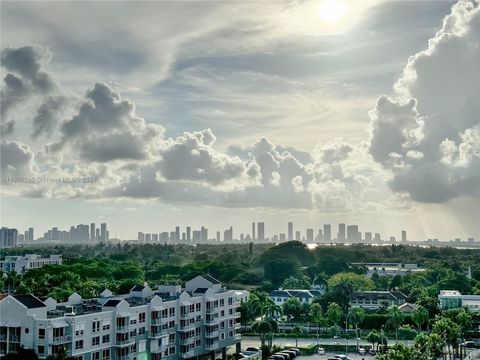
x=310 y=235
x=261 y=231
x=103 y=232
x=92 y=232
x=298 y=237
x=189 y=235
x=327 y=233
x=290 y=231
x=341 y=233
x=253 y=231
x=368 y=237
x=352 y=234
x=404 y=236
x=204 y=232
x=177 y=233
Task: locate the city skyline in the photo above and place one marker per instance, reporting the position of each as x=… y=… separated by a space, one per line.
x=213 y=113
x=342 y=233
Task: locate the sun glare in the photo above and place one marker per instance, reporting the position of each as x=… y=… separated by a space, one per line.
x=332 y=11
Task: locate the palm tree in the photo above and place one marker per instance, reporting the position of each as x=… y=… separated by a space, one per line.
x=259 y=301
x=395 y=318
x=420 y=316
x=334 y=314
x=271 y=310
x=262 y=328
x=297 y=331
x=356 y=315
x=316 y=314
x=373 y=337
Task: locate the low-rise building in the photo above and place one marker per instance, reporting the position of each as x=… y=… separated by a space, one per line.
x=20 y=264
x=391 y=269
x=281 y=296
x=452 y=299
x=168 y=323
x=374 y=300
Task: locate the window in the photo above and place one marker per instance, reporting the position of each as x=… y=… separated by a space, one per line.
x=105 y=338
x=222 y=302
x=198 y=306
x=106 y=354
x=171 y=311
x=79 y=329
x=142 y=346
x=96 y=355
x=41 y=333
x=141 y=331
x=78 y=344
x=106 y=324
x=95 y=326
x=96 y=341
x=171 y=338
x=40 y=349
x=141 y=317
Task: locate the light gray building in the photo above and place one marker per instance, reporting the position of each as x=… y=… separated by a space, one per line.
x=20 y=264
x=168 y=323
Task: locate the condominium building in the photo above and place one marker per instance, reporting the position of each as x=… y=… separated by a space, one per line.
x=20 y=264
x=169 y=323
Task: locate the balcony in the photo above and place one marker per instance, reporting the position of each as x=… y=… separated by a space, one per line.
x=187 y=341
x=157 y=334
x=189 y=315
x=238 y=326
x=211 y=310
x=3 y=337
x=125 y=342
x=212 y=334
x=157 y=322
x=238 y=314
x=187 y=327
x=212 y=346
x=188 y=354
x=125 y=357
x=122 y=328
x=61 y=339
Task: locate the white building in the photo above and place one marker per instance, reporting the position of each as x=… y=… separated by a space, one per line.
x=281 y=296
x=20 y=264
x=452 y=299
x=392 y=269
x=169 y=323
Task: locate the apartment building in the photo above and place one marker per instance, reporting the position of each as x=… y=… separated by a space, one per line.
x=20 y=264
x=169 y=323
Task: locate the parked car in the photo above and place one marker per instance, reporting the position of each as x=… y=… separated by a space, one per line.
x=343 y=357
x=252 y=349
x=297 y=351
x=372 y=352
x=278 y=357
x=361 y=351
x=321 y=351
x=471 y=345
x=293 y=354
x=289 y=355
x=284 y=356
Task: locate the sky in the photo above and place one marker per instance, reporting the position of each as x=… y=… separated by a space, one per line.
x=223 y=113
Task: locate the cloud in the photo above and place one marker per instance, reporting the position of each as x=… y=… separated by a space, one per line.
x=106 y=128
x=425 y=134
x=16 y=159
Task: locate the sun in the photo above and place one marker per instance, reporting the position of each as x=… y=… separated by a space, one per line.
x=332 y=11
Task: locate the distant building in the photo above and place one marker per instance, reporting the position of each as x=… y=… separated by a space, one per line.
x=341 y=233
x=253 y=231
x=391 y=269
x=281 y=296
x=261 y=231
x=141 y=237
x=452 y=299
x=92 y=232
x=189 y=233
x=103 y=232
x=368 y=237
x=290 y=231
x=20 y=264
x=353 y=235
x=404 y=236
x=374 y=300
x=327 y=233
x=8 y=238
x=170 y=323
x=310 y=235
x=298 y=236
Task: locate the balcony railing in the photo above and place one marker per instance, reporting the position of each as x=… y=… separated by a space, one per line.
x=61 y=339
x=212 y=346
x=3 y=337
x=122 y=328
x=188 y=354
x=128 y=341
x=125 y=357
x=157 y=321
x=212 y=334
